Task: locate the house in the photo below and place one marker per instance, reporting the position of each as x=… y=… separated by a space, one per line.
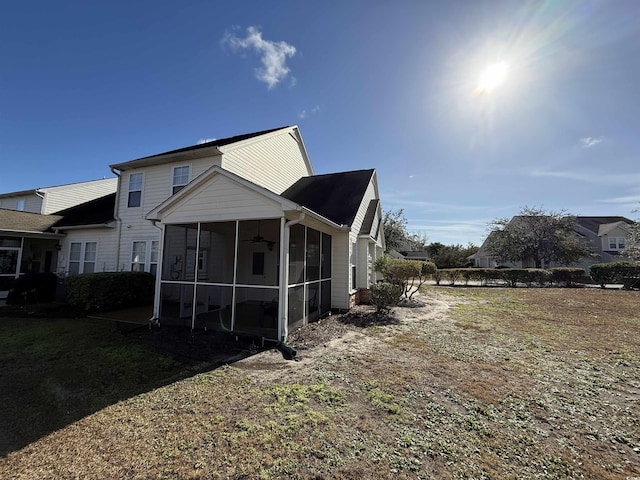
x=28 y=242
x=606 y=237
x=49 y=200
x=240 y=233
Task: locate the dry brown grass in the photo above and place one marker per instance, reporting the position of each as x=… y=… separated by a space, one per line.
x=489 y=383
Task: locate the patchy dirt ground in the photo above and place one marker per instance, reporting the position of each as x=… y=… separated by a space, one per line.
x=464 y=383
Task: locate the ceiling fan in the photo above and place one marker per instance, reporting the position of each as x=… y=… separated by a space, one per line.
x=259 y=239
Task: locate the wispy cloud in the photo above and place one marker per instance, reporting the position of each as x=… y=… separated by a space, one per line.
x=273 y=55
x=588 y=142
x=205 y=140
x=628 y=202
x=600 y=178
x=302 y=114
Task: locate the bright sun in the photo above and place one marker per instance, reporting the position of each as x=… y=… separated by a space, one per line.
x=492 y=77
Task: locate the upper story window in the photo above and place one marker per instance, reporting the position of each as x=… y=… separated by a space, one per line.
x=135 y=190
x=616 y=243
x=180 y=178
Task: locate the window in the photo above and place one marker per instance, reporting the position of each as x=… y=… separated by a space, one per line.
x=20 y=204
x=180 y=178
x=153 y=260
x=144 y=256
x=616 y=243
x=138 y=256
x=82 y=257
x=135 y=190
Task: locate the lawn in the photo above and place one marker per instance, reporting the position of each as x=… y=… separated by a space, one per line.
x=474 y=383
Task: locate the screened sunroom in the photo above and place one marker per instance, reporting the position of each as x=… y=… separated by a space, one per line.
x=226 y=276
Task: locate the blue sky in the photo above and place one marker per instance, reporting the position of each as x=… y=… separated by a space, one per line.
x=388 y=85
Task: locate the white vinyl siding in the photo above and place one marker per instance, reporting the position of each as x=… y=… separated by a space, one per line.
x=340 y=271
x=231 y=201
x=105 y=258
x=180 y=178
x=30 y=203
x=275 y=163
x=66 y=196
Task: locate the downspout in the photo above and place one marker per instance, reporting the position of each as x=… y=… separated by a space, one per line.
x=283 y=323
x=116 y=209
x=155 y=315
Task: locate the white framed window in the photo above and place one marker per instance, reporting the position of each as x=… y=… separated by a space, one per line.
x=144 y=256
x=180 y=178
x=20 y=204
x=135 y=190
x=617 y=243
x=82 y=257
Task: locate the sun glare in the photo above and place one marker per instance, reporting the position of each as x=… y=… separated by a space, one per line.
x=492 y=77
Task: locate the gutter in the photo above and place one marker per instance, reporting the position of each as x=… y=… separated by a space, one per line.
x=116 y=207
x=317 y=216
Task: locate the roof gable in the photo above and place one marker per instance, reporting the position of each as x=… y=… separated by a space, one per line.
x=593 y=223
x=217 y=192
x=193 y=151
x=335 y=196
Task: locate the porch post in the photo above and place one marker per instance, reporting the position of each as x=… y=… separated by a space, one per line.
x=156 y=298
x=284 y=280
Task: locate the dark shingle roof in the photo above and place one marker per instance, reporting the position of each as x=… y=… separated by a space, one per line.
x=14 y=220
x=93 y=212
x=335 y=196
x=214 y=143
x=367 y=223
x=593 y=223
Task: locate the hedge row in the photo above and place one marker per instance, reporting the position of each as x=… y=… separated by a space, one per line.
x=110 y=290
x=511 y=276
x=603 y=273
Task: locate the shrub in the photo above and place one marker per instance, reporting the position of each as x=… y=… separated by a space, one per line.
x=385 y=295
x=603 y=273
x=409 y=275
x=33 y=288
x=567 y=275
x=110 y=291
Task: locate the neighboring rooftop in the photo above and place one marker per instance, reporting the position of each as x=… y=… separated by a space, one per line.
x=16 y=221
x=95 y=212
x=593 y=223
x=335 y=196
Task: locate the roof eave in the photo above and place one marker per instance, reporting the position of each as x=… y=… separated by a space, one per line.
x=83 y=227
x=167 y=158
x=31 y=233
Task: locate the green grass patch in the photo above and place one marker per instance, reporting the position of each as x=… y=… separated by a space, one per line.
x=53 y=372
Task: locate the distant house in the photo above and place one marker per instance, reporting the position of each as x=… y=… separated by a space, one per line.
x=28 y=240
x=49 y=200
x=606 y=237
x=240 y=233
